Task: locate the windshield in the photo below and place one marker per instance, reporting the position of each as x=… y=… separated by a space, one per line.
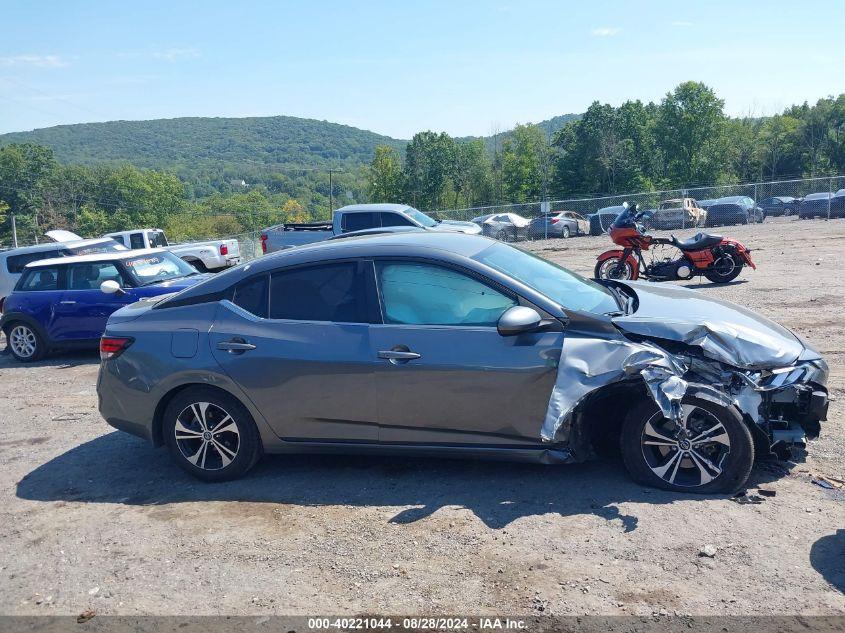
x=420 y=217
x=157 y=267
x=562 y=286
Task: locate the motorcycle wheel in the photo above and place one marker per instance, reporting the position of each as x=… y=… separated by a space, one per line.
x=607 y=269
x=724 y=269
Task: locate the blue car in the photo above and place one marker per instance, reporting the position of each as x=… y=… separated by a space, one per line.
x=64 y=303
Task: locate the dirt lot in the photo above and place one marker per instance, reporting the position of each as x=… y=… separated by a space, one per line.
x=92 y=518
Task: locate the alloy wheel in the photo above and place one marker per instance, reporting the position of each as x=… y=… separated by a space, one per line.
x=724 y=265
x=23 y=341
x=608 y=270
x=691 y=454
x=207 y=436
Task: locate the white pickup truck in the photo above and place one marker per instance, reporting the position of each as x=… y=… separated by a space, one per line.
x=211 y=256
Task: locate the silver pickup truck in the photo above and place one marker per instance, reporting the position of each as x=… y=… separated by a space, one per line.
x=357 y=217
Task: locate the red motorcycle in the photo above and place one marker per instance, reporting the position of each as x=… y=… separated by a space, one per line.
x=718 y=258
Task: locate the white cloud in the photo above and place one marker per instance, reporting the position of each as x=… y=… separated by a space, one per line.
x=606 y=31
x=175 y=54
x=682 y=23
x=41 y=61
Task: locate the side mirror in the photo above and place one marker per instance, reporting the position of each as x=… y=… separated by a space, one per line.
x=111 y=287
x=518 y=320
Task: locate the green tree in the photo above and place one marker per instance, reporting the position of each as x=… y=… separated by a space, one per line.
x=525 y=156
x=385 y=179
x=690 y=130
x=429 y=163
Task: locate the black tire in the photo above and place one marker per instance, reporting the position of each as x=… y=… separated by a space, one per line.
x=501 y=236
x=244 y=442
x=602 y=268
x=719 y=276
x=20 y=338
x=733 y=463
x=564 y=232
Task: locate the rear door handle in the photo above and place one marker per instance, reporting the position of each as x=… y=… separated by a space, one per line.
x=235 y=346
x=67 y=303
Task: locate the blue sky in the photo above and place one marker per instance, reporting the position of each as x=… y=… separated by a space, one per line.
x=404 y=66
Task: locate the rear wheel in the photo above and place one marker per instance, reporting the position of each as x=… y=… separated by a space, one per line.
x=726 y=267
x=711 y=451
x=609 y=269
x=211 y=435
x=25 y=343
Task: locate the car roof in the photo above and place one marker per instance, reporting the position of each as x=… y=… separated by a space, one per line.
x=614 y=209
x=816 y=196
x=731 y=198
x=51 y=246
x=446 y=245
x=379 y=206
x=95 y=257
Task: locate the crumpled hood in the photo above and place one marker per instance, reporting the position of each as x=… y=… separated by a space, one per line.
x=723 y=330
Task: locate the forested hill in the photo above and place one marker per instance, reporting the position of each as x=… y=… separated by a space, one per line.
x=251 y=141
x=164 y=143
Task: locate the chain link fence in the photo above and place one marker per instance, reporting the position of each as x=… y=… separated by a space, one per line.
x=693 y=207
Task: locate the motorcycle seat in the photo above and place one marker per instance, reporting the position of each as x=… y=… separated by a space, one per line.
x=698 y=242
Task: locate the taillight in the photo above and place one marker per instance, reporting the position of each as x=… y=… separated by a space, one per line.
x=112 y=346
x=224 y=249
x=555 y=220
x=264 y=243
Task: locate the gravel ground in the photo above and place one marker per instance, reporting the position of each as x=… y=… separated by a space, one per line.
x=94 y=519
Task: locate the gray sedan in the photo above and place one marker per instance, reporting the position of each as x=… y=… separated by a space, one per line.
x=447 y=344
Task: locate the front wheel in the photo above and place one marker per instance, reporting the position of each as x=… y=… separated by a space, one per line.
x=610 y=269
x=25 y=343
x=711 y=451
x=210 y=434
x=565 y=232
x=725 y=268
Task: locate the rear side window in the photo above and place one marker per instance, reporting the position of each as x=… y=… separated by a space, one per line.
x=251 y=295
x=40 y=279
x=136 y=240
x=15 y=263
x=395 y=219
x=329 y=292
x=359 y=221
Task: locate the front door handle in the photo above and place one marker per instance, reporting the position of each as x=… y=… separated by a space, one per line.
x=235 y=346
x=398 y=355
x=67 y=303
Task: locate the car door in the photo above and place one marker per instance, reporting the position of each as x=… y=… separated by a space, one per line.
x=84 y=309
x=297 y=342
x=40 y=292
x=444 y=373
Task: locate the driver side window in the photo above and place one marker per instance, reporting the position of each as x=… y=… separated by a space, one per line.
x=416 y=293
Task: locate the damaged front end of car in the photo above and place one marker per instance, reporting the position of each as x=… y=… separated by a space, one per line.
x=776 y=382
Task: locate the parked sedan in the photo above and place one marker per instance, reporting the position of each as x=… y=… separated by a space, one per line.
x=601 y=220
x=446 y=344
x=558 y=224
x=837 y=204
x=679 y=213
x=734 y=210
x=780 y=205
x=506 y=227
x=816 y=205
x=61 y=303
